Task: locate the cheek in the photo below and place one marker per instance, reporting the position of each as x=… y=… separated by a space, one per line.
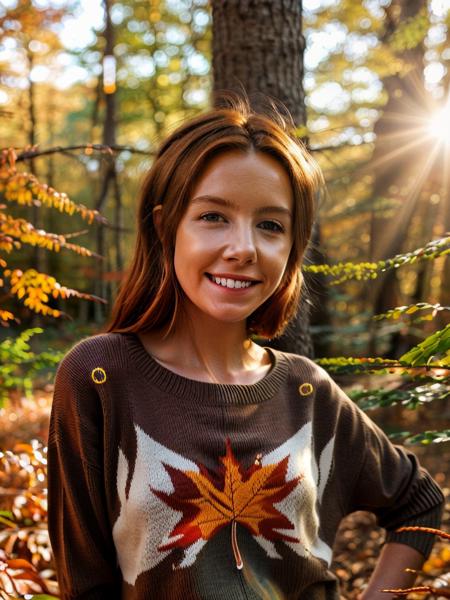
x=276 y=255
x=280 y=261
x=195 y=245
x=192 y=254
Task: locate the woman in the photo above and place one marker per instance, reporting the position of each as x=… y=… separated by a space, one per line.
x=186 y=461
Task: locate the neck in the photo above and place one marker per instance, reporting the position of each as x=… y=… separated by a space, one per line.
x=217 y=351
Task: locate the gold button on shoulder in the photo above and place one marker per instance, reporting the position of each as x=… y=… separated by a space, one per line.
x=98 y=375
x=305 y=389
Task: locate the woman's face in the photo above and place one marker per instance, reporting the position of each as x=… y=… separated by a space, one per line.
x=233 y=243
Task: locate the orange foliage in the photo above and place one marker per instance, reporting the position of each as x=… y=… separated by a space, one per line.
x=34 y=288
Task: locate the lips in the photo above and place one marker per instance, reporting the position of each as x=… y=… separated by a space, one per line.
x=233 y=277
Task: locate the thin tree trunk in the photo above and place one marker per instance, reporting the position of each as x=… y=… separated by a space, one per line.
x=109 y=175
x=95 y=107
x=258 y=47
x=118 y=232
x=395 y=163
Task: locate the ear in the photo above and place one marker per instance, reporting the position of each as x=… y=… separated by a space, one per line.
x=157 y=219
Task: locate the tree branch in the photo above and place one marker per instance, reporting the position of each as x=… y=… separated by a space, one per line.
x=93 y=147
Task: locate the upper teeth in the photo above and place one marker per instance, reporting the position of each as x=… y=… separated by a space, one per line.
x=231 y=283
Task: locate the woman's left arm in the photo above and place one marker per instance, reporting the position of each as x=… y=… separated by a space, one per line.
x=390 y=571
x=398 y=554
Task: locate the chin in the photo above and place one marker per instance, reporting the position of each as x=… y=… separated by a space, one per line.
x=228 y=319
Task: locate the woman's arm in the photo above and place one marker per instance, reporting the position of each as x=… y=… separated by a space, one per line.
x=78 y=524
x=390 y=571
x=390 y=483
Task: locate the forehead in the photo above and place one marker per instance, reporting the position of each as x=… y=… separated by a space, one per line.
x=238 y=175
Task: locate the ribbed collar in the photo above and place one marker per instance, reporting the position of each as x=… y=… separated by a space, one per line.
x=202 y=391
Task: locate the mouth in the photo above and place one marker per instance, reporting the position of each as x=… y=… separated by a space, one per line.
x=231 y=284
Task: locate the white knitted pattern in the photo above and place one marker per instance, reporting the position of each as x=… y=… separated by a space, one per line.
x=145 y=521
x=301 y=505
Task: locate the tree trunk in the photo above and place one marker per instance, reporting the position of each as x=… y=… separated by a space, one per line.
x=395 y=162
x=258 y=47
x=103 y=287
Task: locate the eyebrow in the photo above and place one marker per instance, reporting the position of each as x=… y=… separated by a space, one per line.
x=229 y=204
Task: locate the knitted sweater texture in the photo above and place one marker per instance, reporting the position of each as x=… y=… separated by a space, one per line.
x=163 y=487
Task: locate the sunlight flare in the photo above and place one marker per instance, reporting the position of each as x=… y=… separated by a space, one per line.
x=439 y=124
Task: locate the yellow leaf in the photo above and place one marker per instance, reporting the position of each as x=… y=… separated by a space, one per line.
x=412 y=309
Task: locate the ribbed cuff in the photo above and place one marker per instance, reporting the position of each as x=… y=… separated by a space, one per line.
x=423 y=496
x=419 y=540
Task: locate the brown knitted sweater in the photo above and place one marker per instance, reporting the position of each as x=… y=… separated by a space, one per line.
x=162 y=487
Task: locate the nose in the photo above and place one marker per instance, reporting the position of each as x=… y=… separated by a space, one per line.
x=241 y=245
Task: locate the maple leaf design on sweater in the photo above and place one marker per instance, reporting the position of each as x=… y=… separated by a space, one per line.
x=210 y=501
x=146 y=527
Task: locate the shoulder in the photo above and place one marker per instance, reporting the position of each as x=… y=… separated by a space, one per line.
x=90 y=357
x=310 y=380
x=303 y=369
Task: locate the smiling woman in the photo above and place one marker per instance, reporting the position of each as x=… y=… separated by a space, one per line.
x=264 y=183
x=202 y=465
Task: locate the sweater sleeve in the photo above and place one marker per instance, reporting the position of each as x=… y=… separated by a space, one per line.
x=387 y=481
x=79 y=529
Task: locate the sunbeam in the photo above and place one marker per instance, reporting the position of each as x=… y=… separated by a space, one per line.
x=439 y=124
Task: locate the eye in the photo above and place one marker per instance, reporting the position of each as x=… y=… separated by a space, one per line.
x=272 y=226
x=211 y=217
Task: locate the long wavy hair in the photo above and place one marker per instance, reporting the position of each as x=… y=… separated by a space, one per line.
x=150 y=296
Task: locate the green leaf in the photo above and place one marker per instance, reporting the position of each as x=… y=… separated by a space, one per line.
x=428 y=437
x=410 y=398
x=376 y=366
x=394 y=313
x=19 y=365
x=6 y=513
x=435 y=344
x=8 y=522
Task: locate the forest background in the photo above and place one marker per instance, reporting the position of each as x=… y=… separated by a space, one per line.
x=89 y=87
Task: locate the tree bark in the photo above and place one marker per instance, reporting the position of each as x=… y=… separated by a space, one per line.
x=259 y=45
x=258 y=48
x=395 y=162
x=109 y=182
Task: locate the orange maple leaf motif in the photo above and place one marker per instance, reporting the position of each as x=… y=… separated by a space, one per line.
x=209 y=501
